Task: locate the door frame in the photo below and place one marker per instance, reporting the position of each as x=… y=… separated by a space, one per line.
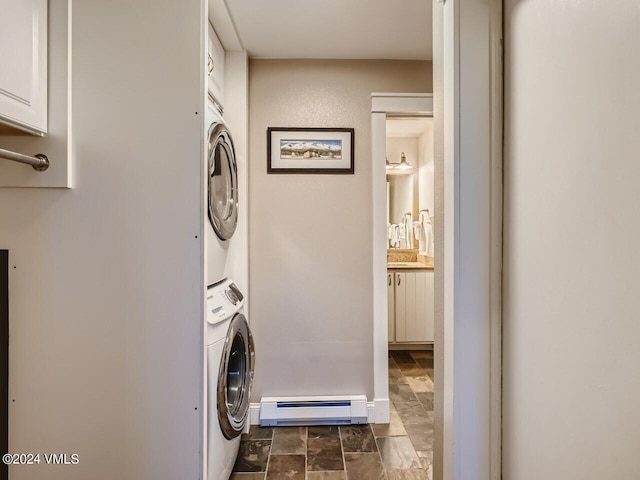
x=382 y=106
x=468 y=130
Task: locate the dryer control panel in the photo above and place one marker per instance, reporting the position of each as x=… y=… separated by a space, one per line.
x=224 y=300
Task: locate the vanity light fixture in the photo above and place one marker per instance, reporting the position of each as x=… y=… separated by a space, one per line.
x=389 y=165
x=403 y=165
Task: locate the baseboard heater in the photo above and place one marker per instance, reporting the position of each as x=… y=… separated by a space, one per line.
x=335 y=410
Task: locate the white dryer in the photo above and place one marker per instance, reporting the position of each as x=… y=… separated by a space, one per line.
x=230 y=366
x=222 y=196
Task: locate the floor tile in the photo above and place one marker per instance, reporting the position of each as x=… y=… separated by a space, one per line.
x=402 y=356
x=426 y=399
x=420 y=384
x=398 y=453
x=411 y=370
x=323 y=431
x=401 y=393
x=357 y=438
x=422 y=354
x=286 y=467
x=421 y=435
x=396 y=377
x=411 y=412
x=364 y=466
x=416 y=474
x=425 y=362
x=426 y=458
x=392 y=429
x=247 y=476
x=258 y=433
x=289 y=440
x=326 y=476
x=252 y=456
x=324 y=454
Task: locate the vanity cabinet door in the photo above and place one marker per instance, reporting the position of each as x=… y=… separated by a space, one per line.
x=391 y=306
x=428 y=314
x=423 y=329
x=400 y=282
x=414 y=315
x=23 y=64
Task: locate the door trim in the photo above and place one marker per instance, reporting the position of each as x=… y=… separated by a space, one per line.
x=467 y=66
x=383 y=105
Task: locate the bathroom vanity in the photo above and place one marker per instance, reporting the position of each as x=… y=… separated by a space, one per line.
x=410 y=288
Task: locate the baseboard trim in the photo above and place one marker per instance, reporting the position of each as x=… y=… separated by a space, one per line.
x=254 y=414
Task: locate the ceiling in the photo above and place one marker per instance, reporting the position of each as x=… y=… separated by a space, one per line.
x=341 y=29
x=408 y=127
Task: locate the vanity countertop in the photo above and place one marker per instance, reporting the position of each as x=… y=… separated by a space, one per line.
x=409 y=266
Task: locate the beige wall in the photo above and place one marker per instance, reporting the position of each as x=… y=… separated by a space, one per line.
x=572 y=229
x=310 y=235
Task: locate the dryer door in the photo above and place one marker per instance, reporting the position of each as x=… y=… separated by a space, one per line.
x=223 y=182
x=235 y=378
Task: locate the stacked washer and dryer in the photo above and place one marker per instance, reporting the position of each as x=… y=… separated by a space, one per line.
x=230 y=351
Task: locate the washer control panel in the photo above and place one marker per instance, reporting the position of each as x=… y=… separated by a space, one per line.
x=224 y=300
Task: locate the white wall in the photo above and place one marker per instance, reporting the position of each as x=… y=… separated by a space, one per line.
x=572 y=229
x=106 y=293
x=310 y=246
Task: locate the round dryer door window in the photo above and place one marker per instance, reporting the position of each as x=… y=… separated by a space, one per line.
x=223 y=182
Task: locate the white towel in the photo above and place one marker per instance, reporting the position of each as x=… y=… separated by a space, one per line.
x=425 y=235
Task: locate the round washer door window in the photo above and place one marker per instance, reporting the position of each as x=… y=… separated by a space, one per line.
x=223 y=182
x=235 y=378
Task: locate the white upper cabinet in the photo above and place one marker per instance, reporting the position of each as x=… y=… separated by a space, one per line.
x=23 y=64
x=215 y=67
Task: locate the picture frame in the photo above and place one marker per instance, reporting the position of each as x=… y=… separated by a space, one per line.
x=310 y=150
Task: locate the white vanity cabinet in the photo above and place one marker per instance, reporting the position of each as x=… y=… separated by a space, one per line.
x=23 y=64
x=215 y=67
x=410 y=300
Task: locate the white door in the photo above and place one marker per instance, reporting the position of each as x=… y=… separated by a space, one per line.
x=23 y=64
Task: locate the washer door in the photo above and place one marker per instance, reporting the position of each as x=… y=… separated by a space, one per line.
x=223 y=182
x=235 y=377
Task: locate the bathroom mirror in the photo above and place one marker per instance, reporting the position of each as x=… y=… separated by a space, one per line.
x=410 y=180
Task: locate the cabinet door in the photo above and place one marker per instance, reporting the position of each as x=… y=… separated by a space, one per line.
x=428 y=306
x=401 y=306
x=411 y=320
x=23 y=64
x=391 y=306
x=424 y=331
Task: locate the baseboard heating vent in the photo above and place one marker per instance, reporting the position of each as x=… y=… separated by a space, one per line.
x=335 y=410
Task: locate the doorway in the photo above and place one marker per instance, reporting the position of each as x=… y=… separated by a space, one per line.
x=384 y=105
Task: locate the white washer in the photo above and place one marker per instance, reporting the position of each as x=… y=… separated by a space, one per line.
x=222 y=195
x=230 y=365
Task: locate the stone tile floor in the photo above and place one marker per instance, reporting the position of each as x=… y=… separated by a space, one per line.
x=400 y=450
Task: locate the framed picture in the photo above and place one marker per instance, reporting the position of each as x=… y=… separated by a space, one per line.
x=310 y=150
